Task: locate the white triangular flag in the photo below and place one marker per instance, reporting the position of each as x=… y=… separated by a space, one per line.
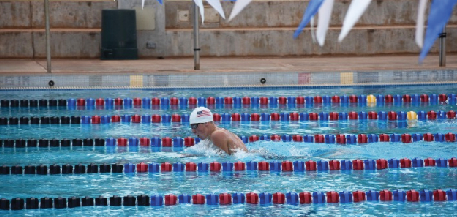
x=313 y=35
x=325 y=12
x=239 y=5
x=216 y=4
x=142 y=4
x=199 y=3
x=353 y=14
x=420 y=23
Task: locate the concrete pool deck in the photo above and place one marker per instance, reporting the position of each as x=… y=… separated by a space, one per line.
x=225 y=65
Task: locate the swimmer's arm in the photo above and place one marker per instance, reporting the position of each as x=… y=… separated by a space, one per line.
x=220 y=140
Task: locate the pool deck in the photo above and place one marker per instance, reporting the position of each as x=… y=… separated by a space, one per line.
x=226 y=65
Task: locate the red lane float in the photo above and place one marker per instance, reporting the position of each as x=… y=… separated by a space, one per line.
x=313 y=116
x=174 y=101
x=334 y=165
x=300 y=100
x=388 y=98
x=353 y=116
x=137 y=101
x=451 y=114
x=333 y=197
x=319 y=139
x=406 y=98
x=198 y=199
x=357 y=165
x=176 y=118
x=240 y=166
x=189 y=141
x=429 y=162
x=118 y=102
x=216 y=117
x=385 y=195
x=210 y=101
x=392 y=116
x=115 y=118
x=439 y=195
x=275 y=138
x=311 y=165
x=359 y=196
x=96 y=119
x=136 y=119
x=318 y=100
x=381 y=164
x=424 y=98
x=166 y=142
x=431 y=115
x=156 y=118
x=142 y=168
x=282 y=100
x=429 y=137
x=253 y=138
x=121 y=142
x=252 y=198
x=263 y=101
x=166 y=167
x=279 y=198
x=215 y=167
x=340 y=139
x=99 y=102
x=334 y=116
x=255 y=117
x=297 y=138
x=191 y=167
x=362 y=138
x=228 y=100
x=264 y=166
x=81 y=102
x=405 y=163
x=406 y=138
x=442 y=98
x=452 y=162
x=192 y=101
x=155 y=101
x=225 y=199
x=246 y=100
x=294 y=116
x=145 y=142
x=287 y=166
x=274 y=116
x=372 y=115
x=412 y=196
x=170 y=200
x=236 y=117
x=305 y=197
x=353 y=99
x=336 y=99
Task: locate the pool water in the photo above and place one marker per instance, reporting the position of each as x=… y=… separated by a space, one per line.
x=123 y=184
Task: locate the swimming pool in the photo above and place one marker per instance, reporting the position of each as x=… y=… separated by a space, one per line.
x=331 y=163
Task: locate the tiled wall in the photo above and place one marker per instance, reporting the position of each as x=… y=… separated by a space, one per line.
x=304 y=79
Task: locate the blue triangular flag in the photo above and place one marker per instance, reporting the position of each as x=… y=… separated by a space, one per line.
x=311 y=10
x=160 y=1
x=440 y=12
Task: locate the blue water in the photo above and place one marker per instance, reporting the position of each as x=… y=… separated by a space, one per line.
x=93 y=185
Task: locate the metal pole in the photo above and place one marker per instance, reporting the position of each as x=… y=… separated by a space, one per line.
x=196 y=39
x=48 y=35
x=443 y=48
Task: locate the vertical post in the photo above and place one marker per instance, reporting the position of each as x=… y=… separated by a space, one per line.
x=48 y=36
x=196 y=39
x=443 y=48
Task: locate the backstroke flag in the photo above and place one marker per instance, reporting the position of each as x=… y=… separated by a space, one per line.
x=353 y=14
x=325 y=13
x=420 y=23
x=311 y=10
x=239 y=6
x=440 y=12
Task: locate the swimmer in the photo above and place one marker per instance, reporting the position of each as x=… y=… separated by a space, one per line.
x=201 y=123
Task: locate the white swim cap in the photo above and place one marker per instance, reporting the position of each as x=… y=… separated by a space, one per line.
x=200 y=115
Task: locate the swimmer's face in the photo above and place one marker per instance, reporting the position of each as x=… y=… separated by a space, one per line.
x=199 y=130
